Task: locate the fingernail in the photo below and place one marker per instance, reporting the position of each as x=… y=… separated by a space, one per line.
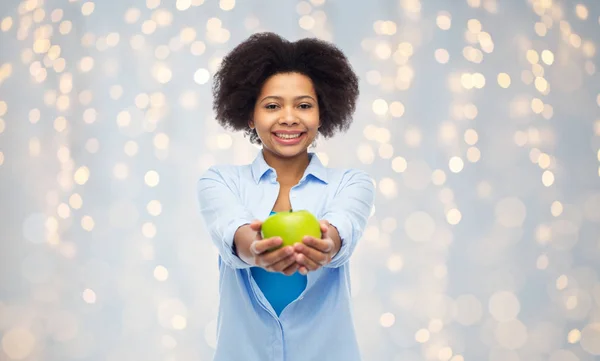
x=289 y=250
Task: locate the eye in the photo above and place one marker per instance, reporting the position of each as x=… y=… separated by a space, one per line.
x=271 y=106
x=305 y=105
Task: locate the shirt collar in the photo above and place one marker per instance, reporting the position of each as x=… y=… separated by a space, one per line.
x=315 y=168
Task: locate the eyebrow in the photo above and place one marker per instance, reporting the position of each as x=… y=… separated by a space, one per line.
x=281 y=98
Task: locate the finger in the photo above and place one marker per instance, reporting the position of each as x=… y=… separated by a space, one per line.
x=313 y=254
x=303 y=270
x=310 y=264
x=255 y=225
x=324 y=227
x=282 y=264
x=324 y=245
x=260 y=247
x=270 y=258
x=290 y=270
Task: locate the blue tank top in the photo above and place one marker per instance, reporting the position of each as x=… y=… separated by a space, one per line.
x=280 y=290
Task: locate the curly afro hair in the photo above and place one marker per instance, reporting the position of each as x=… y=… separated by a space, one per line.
x=245 y=69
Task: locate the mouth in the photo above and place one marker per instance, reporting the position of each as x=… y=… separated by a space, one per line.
x=289 y=138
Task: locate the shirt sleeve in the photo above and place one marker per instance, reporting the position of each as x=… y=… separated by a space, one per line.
x=349 y=212
x=223 y=213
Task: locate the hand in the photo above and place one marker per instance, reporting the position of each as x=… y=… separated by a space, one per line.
x=266 y=255
x=314 y=253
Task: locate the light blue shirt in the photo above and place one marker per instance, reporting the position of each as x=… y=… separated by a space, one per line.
x=318 y=325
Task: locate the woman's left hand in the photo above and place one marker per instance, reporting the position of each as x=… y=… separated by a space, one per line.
x=314 y=253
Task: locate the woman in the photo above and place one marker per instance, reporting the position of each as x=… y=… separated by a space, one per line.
x=291 y=303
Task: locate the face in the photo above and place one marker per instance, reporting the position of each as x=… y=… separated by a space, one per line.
x=286 y=114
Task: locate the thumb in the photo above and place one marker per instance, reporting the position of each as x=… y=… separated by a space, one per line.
x=255 y=225
x=324 y=227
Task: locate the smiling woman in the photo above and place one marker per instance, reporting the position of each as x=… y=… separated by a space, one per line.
x=286 y=116
x=287 y=302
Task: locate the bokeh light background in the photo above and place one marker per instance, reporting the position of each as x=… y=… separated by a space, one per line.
x=479 y=121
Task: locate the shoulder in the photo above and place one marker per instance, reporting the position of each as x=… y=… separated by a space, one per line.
x=227 y=173
x=345 y=177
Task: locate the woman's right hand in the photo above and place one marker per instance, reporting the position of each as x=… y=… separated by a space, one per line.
x=266 y=254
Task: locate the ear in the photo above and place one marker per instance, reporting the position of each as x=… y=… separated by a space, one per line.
x=251 y=124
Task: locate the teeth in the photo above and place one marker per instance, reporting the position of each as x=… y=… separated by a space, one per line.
x=288 y=136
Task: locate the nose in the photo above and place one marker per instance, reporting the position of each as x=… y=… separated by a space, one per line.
x=288 y=117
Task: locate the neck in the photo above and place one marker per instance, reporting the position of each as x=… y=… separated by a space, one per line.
x=289 y=170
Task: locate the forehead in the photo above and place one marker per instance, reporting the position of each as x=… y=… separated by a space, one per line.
x=288 y=83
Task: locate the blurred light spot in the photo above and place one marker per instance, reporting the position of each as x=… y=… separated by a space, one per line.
x=453 y=216
x=556 y=208
x=197 y=48
x=18 y=343
x=473 y=154
x=581 y=11
x=87 y=223
x=63 y=211
x=154 y=208
x=445 y=353
x=471 y=137
x=542 y=262
x=161 y=141
x=504 y=306
x=395 y=263
x=380 y=107
x=149 y=230
x=474 y=26
x=92 y=145
x=151 y=178
x=532 y=56
x=444 y=20
x=201 y=76
x=442 y=56
x=75 y=201
x=81 y=176
x=387 y=186
x=590 y=338
x=307 y=22
x=547 y=57
x=383 y=51
x=386 y=151
x=511 y=334
x=183 y=5
x=504 y=80
x=179 y=322
x=419 y=226
x=87 y=8
x=422 y=335
x=455 y=164
x=387 y=320
x=365 y=154
x=121 y=171
x=227 y=5
x=562 y=282
x=89 y=296
x=574 y=336
x=162 y=73
x=438 y=177
x=548 y=178
x=397 y=109
x=86 y=64
x=161 y=273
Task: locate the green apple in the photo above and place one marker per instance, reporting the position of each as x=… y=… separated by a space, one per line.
x=291 y=226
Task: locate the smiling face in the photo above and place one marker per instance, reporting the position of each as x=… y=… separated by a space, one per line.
x=286 y=114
